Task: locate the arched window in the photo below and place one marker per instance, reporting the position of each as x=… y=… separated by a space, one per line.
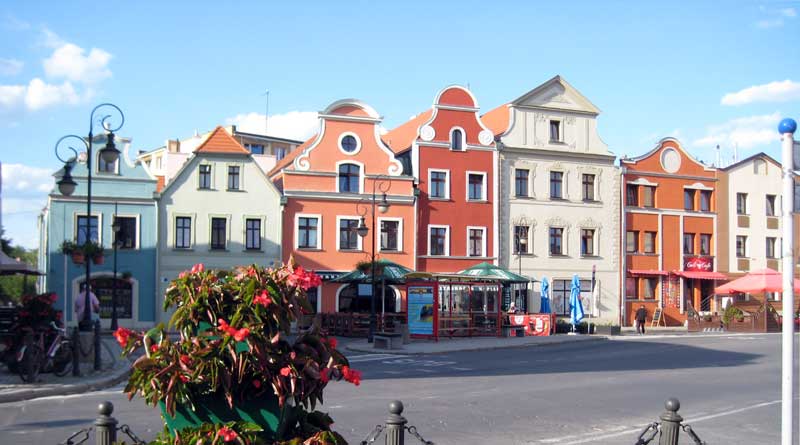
x=456 y=140
x=348 y=178
x=351 y=301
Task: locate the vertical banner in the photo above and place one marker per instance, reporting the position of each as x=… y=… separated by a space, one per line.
x=421 y=311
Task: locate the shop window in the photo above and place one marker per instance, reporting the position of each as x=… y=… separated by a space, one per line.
x=649 y=288
x=561 y=292
x=351 y=300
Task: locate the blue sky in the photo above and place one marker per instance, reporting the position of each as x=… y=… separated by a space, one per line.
x=704 y=72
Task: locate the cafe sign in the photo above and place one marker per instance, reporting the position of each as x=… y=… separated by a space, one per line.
x=698 y=263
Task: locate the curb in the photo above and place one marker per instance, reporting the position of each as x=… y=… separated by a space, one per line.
x=368 y=350
x=117 y=376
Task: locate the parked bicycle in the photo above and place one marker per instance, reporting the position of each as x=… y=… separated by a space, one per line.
x=32 y=359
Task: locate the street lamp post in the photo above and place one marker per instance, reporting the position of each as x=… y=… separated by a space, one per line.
x=380 y=183
x=115 y=226
x=66 y=185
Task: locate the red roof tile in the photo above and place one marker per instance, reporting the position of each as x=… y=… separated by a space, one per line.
x=221 y=142
x=497 y=119
x=400 y=139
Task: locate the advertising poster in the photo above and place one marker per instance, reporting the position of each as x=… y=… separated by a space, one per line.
x=421 y=310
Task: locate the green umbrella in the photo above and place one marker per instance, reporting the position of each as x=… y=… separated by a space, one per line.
x=389 y=271
x=492 y=271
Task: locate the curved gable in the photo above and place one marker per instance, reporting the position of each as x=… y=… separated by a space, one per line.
x=448 y=116
x=669 y=156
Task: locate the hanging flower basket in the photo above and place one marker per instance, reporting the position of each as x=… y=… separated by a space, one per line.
x=78 y=257
x=98 y=259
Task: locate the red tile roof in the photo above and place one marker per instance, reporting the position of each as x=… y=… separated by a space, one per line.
x=221 y=142
x=497 y=119
x=290 y=157
x=400 y=139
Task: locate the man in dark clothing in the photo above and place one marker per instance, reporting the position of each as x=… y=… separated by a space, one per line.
x=641 y=317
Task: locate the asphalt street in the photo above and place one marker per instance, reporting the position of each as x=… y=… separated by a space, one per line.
x=597 y=393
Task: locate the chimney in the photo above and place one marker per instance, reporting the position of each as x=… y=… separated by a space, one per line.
x=719 y=159
x=173 y=146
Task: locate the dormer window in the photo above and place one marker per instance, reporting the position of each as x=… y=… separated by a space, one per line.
x=555 y=131
x=106 y=167
x=456 y=140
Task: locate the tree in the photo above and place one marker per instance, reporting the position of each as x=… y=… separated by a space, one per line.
x=13 y=287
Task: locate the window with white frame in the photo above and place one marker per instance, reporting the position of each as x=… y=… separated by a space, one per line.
x=439 y=184
x=476 y=241
x=86 y=226
x=308 y=232
x=587 y=242
x=205 y=177
x=349 y=178
x=741 y=246
x=456 y=140
x=476 y=186
x=126 y=237
x=555 y=131
x=106 y=167
x=522 y=239
x=438 y=240
x=252 y=233
x=521 y=182
x=348 y=237
x=233 y=177
x=183 y=232
x=770 y=247
x=219 y=233
x=587 y=182
x=556 y=240
x=391 y=235
x=556 y=185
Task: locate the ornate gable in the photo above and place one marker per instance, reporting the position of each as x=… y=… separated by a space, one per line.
x=556 y=93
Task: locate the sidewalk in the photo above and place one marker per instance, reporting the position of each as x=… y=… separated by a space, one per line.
x=445 y=345
x=114 y=370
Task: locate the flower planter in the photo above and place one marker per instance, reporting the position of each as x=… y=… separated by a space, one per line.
x=78 y=257
x=263 y=411
x=98 y=259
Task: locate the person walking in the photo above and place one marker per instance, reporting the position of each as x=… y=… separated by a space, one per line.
x=80 y=305
x=641 y=318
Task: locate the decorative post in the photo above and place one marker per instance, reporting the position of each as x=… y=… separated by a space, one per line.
x=105 y=425
x=395 y=424
x=97 y=345
x=670 y=422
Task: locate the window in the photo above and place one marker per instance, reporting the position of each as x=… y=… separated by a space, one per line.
x=688 y=243
x=649 y=242
x=252 y=234
x=85 y=227
x=475 y=241
x=587 y=242
x=349 y=178
x=705 y=244
x=705 y=200
x=218 y=233
x=521 y=241
x=438 y=241
x=233 y=177
x=205 y=177
x=688 y=199
x=389 y=235
x=556 y=180
x=796 y=207
x=521 y=182
x=561 y=290
x=438 y=184
x=770 y=205
x=349 y=143
x=770 y=247
x=632 y=241
x=106 y=167
x=348 y=237
x=649 y=196
x=649 y=288
x=556 y=238
x=256 y=149
x=631 y=288
x=588 y=187
x=741 y=203
x=126 y=237
x=158 y=163
x=312 y=295
x=632 y=195
x=183 y=232
x=456 y=140
x=555 y=131
x=475 y=186
x=741 y=246
x=280 y=153
x=307 y=232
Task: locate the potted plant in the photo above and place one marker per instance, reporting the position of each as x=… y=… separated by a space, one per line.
x=732 y=313
x=73 y=250
x=94 y=251
x=231 y=372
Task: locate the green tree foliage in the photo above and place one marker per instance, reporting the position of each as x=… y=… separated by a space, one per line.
x=13 y=287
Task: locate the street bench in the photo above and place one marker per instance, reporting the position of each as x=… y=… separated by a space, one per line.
x=387 y=340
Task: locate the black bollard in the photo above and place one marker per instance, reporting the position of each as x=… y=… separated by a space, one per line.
x=76 y=351
x=97 y=345
x=395 y=424
x=670 y=422
x=105 y=426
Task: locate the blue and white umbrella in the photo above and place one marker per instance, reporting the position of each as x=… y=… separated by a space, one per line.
x=575 y=306
x=545 y=308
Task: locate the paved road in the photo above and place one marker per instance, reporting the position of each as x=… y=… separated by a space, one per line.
x=599 y=393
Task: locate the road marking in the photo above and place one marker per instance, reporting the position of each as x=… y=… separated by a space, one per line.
x=371 y=357
x=461 y=369
x=615 y=432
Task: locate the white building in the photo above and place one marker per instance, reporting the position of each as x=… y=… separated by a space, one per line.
x=220 y=210
x=560 y=211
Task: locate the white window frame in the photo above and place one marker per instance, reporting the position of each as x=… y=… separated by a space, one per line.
x=359 y=242
x=564 y=194
x=446 y=184
x=528 y=184
x=263 y=220
x=484 y=194
x=138 y=218
x=97 y=165
x=399 y=234
x=595 y=242
x=192 y=230
x=297 y=217
x=228 y=239
x=560 y=129
x=241 y=176
x=528 y=244
x=746 y=246
x=564 y=247
x=212 y=173
x=99 y=216
x=483 y=242
x=360 y=166
x=463 y=139
x=358 y=143
x=446 y=239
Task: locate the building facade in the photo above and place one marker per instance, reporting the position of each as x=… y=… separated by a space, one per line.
x=122 y=190
x=329 y=185
x=669 y=233
x=560 y=211
x=220 y=210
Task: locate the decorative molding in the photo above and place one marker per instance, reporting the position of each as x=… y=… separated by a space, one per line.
x=569 y=120
x=557 y=166
x=557 y=221
x=589 y=223
x=540 y=117
x=427 y=133
x=485 y=137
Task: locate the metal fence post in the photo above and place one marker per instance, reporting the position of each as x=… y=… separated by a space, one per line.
x=395 y=424
x=670 y=422
x=105 y=425
x=97 y=345
x=76 y=345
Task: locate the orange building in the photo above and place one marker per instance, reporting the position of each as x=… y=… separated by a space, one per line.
x=328 y=184
x=669 y=233
x=454 y=160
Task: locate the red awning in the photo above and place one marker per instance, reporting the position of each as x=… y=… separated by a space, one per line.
x=647 y=272
x=697 y=275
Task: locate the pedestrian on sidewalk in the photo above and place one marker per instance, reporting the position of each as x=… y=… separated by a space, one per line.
x=80 y=304
x=641 y=318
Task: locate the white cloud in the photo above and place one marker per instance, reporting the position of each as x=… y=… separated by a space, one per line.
x=770 y=23
x=10 y=67
x=788 y=12
x=42 y=95
x=744 y=132
x=51 y=39
x=11 y=95
x=71 y=62
x=778 y=91
x=777 y=17
x=298 y=125
x=24 y=180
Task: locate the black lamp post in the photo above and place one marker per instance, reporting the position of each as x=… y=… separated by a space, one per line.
x=379 y=183
x=115 y=226
x=66 y=185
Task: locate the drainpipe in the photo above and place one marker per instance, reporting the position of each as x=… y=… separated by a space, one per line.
x=624 y=250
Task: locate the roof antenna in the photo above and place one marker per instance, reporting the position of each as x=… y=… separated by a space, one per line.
x=719 y=159
x=266 y=114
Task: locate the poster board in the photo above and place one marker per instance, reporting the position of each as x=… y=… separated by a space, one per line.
x=658 y=318
x=422 y=311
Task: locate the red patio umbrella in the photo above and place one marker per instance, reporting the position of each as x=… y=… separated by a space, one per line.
x=757 y=282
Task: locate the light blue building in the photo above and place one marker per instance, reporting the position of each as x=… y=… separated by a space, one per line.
x=125 y=189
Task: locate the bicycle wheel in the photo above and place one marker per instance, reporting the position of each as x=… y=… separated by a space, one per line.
x=62 y=362
x=31 y=363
